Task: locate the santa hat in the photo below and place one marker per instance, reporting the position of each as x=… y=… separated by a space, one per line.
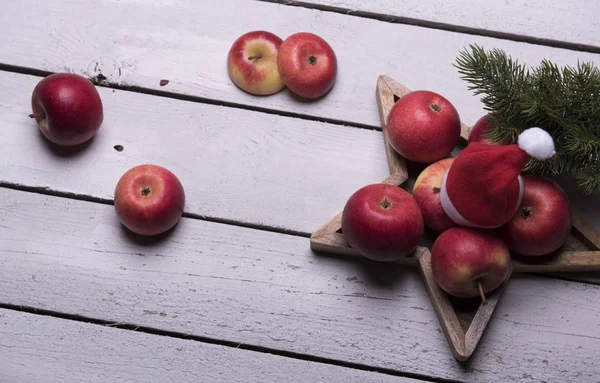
x=483 y=187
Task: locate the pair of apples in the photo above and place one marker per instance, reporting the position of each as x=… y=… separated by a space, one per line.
x=149 y=199
x=261 y=63
x=385 y=222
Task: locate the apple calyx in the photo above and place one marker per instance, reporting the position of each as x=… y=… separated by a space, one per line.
x=386 y=204
x=312 y=60
x=526 y=212
x=145 y=191
x=435 y=107
x=481 y=293
x=436 y=189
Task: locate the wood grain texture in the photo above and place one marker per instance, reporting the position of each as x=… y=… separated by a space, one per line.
x=234 y=164
x=269 y=289
x=198 y=146
x=187 y=43
x=463 y=338
x=448 y=319
x=566 y=261
x=586 y=205
x=45 y=349
x=385 y=101
x=563 y=264
x=572 y=21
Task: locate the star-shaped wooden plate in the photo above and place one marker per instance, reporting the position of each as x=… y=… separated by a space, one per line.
x=463 y=320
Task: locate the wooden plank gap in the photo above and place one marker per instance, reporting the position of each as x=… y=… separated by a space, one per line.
x=196 y=99
x=442 y=26
x=105 y=201
x=203 y=339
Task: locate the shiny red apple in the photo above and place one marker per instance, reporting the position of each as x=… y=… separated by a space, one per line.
x=252 y=63
x=543 y=221
x=480 y=130
x=67 y=108
x=307 y=64
x=426 y=193
x=467 y=263
x=423 y=126
x=149 y=199
x=382 y=222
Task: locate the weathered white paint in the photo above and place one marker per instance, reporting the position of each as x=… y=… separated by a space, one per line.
x=268 y=289
x=187 y=42
x=45 y=349
x=234 y=164
x=573 y=21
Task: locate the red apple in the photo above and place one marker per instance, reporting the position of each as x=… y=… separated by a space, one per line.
x=67 y=108
x=149 y=199
x=543 y=221
x=464 y=260
x=382 y=222
x=480 y=129
x=252 y=63
x=426 y=193
x=307 y=64
x=423 y=126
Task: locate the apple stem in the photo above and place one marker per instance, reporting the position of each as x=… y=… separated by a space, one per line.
x=483 y=300
x=35 y=115
x=257 y=57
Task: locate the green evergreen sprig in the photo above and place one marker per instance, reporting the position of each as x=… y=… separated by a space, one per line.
x=564 y=101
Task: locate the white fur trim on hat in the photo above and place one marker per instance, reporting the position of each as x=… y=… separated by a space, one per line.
x=537 y=143
x=455 y=216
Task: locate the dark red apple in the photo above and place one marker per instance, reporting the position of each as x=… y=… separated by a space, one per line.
x=467 y=262
x=543 y=221
x=382 y=222
x=67 y=108
x=423 y=126
x=426 y=193
x=479 y=131
x=308 y=64
x=149 y=199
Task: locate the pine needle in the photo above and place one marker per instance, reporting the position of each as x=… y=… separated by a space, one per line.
x=564 y=101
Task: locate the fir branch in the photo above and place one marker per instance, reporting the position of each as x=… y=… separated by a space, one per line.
x=542 y=101
x=563 y=101
x=588 y=179
x=495 y=75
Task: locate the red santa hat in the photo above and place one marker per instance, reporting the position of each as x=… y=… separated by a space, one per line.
x=483 y=187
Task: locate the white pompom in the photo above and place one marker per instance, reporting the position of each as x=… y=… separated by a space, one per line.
x=537 y=143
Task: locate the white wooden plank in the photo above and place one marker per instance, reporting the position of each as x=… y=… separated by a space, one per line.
x=269 y=289
x=234 y=164
x=284 y=172
x=187 y=42
x=40 y=348
x=228 y=173
x=573 y=21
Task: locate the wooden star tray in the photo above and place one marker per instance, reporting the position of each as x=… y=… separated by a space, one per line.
x=463 y=320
